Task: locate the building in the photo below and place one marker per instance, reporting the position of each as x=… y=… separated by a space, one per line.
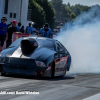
x=15 y=10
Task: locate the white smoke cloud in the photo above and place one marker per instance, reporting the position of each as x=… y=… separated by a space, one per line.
x=82 y=40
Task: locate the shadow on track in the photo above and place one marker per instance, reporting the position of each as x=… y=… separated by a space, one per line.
x=40 y=78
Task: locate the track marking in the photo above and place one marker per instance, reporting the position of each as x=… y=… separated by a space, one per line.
x=14 y=83
x=49 y=94
x=94 y=97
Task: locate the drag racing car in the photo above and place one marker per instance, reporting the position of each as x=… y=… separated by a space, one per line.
x=36 y=56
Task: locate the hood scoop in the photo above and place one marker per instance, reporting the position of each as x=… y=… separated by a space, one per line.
x=28 y=45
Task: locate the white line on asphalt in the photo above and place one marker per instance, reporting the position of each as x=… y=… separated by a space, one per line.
x=94 y=97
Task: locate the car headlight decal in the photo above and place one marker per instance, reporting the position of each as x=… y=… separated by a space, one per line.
x=40 y=63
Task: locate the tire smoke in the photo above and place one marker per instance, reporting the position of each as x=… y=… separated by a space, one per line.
x=82 y=39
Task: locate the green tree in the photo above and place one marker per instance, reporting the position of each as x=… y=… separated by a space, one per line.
x=58 y=4
x=72 y=16
x=65 y=13
x=38 y=14
x=49 y=11
x=77 y=9
x=68 y=4
x=62 y=10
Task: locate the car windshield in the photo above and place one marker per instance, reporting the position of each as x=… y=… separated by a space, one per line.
x=41 y=42
x=16 y=43
x=46 y=43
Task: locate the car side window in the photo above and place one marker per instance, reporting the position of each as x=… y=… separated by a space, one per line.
x=64 y=49
x=59 y=47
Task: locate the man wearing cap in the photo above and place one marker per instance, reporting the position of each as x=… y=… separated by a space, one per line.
x=3 y=31
x=11 y=30
x=46 y=31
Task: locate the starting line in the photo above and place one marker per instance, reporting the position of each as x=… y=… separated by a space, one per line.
x=94 y=97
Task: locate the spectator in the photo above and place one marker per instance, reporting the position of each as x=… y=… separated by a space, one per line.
x=29 y=29
x=11 y=30
x=34 y=29
x=3 y=32
x=18 y=27
x=10 y=25
x=39 y=34
x=38 y=30
x=46 y=31
x=22 y=29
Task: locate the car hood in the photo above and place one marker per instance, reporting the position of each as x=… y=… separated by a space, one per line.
x=39 y=54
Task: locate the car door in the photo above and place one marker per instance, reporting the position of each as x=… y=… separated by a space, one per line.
x=61 y=61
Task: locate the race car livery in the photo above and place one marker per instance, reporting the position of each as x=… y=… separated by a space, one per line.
x=36 y=56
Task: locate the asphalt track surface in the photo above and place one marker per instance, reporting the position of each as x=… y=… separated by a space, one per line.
x=73 y=87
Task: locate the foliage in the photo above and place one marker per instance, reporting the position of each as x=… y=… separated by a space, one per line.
x=77 y=9
x=65 y=12
x=68 y=4
x=38 y=14
x=57 y=4
x=49 y=11
x=62 y=10
x=72 y=16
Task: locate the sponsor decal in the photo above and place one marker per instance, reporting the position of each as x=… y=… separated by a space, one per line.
x=16 y=37
x=48 y=68
x=61 y=59
x=60 y=69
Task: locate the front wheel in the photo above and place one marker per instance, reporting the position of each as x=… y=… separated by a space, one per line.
x=3 y=74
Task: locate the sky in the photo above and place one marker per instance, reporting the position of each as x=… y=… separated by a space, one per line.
x=83 y=2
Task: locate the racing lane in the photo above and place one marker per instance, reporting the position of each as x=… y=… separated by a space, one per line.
x=68 y=88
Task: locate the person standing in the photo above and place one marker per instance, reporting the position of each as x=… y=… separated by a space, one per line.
x=18 y=27
x=33 y=29
x=39 y=34
x=29 y=29
x=11 y=30
x=3 y=32
x=38 y=30
x=22 y=29
x=46 y=31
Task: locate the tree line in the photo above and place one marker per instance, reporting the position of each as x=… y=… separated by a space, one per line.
x=42 y=12
x=54 y=10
